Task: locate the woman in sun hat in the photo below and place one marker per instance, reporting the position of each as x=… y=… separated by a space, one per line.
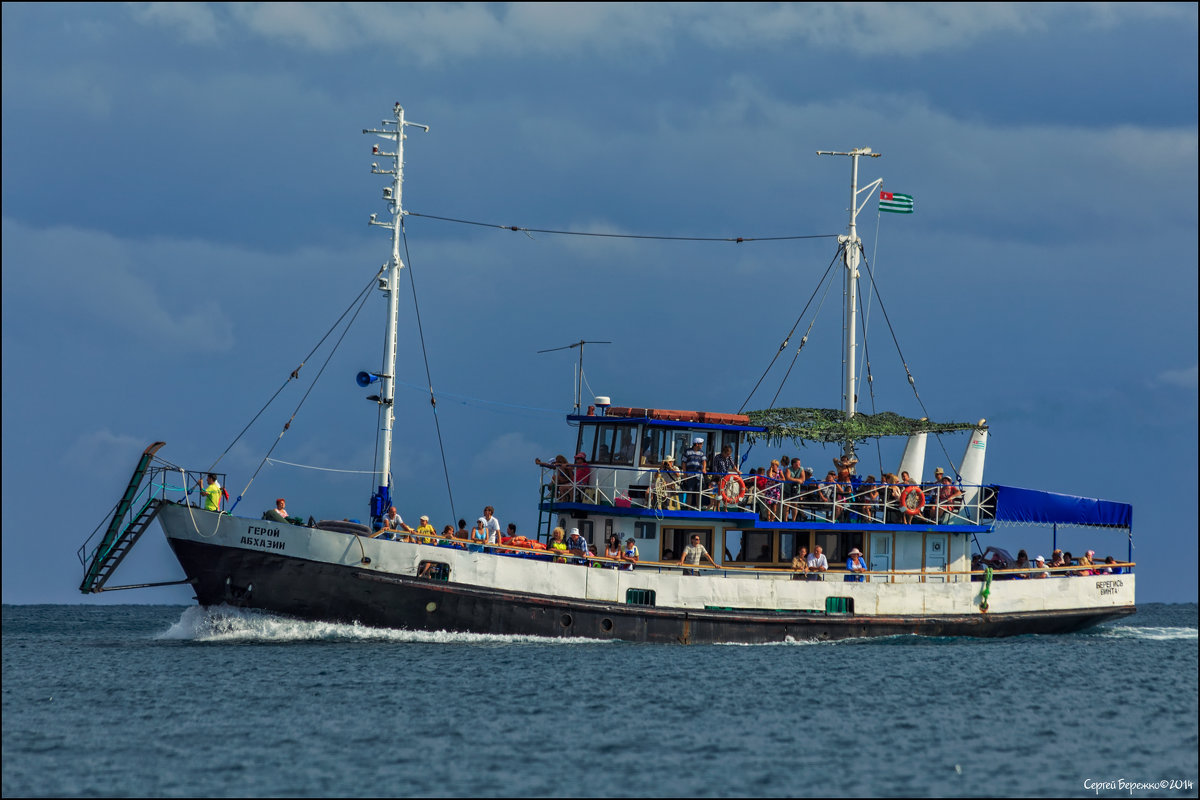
x=856 y=565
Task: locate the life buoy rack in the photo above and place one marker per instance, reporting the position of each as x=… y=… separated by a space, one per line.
x=912 y=500
x=733 y=489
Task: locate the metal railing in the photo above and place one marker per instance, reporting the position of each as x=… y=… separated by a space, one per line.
x=772 y=499
x=771 y=572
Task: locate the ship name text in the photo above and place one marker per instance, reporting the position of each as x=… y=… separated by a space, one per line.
x=258 y=537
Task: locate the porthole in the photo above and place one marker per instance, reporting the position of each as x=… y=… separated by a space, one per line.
x=431 y=607
x=606 y=625
x=565 y=620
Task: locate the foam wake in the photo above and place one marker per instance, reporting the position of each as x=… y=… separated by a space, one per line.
x=1148 y=632
x=228 y=624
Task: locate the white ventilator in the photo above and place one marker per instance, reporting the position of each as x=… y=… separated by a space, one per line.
x=970 y=472
x=913 y=460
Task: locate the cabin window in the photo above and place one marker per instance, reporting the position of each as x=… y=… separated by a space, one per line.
x=837 y=547
x=674 y=540
x=730 y=438
x=790 y=544
x=639 y=597
x=748 y=546
x=645 y=530
x=433 y=570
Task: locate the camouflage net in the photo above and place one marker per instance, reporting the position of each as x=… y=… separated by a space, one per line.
x=827 y=425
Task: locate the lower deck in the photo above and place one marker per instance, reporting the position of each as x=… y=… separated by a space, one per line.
x=230 y=558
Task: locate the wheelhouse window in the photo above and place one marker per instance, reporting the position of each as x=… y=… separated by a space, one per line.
x=656 y=445
x=614 y=444
x=587 y=441
x=626 y=448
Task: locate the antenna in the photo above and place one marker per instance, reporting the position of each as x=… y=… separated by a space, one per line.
x=579 y=377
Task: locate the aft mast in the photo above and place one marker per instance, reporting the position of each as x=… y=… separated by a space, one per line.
x=851 y=253
x=393 y=129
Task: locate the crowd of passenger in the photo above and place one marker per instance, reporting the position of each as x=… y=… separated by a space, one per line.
x=782 y=491
x=1061 y=564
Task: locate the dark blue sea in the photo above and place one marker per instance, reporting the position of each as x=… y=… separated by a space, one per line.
x=177 y=701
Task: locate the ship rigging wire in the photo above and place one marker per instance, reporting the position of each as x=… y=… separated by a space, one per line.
x=911 y=380
x=428 y=375
x=655 y=237
x=361 y=301
x=783 y=345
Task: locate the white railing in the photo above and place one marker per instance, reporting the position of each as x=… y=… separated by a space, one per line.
x=772 y=499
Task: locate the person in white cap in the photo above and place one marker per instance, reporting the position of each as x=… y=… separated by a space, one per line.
x=577 y=545
x=694 y=464
x=425 y=532
x=857 y=565
x=1041 y=565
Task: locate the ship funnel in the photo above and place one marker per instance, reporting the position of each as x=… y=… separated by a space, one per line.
x=602 y=404
x=913 y=461
x=971 y=470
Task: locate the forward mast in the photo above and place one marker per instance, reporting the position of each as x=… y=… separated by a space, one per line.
x=851 y=256
x=393 y=129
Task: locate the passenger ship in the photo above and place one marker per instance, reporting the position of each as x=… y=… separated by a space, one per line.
x=916 y=541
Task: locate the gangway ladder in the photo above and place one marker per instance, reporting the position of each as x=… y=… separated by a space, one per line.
x=117 y=542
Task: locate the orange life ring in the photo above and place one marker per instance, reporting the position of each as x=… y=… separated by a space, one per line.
x=733 y=489
x=912 y=508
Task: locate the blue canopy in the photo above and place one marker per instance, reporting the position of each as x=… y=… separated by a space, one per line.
x=1030 y=505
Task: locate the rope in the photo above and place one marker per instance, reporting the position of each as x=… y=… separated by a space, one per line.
x=795 y=325
x=187 y=501
x=294 y=375
x=299 y=405
x=911 y=380
x=870 y=379
x=428 y=377
x=520 y=229
x=322 y=469
x=803 y=341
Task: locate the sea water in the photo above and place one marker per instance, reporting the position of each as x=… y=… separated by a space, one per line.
x=179 y=701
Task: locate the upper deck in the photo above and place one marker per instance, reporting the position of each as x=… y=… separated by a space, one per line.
x=621 y=467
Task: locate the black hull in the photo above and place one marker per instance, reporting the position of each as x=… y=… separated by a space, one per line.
x=334 y=593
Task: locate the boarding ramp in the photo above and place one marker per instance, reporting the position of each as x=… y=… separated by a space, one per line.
x=120 y=536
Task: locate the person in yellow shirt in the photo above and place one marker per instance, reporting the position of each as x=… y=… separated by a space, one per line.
x=557 y=544
x=212 y=494
x=425 y=532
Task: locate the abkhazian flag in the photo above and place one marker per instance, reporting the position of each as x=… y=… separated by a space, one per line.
x=896 y=203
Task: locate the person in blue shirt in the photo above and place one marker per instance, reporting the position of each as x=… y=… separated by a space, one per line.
x=856 y=565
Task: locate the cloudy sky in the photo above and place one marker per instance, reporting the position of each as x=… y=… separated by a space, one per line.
x=186 y=190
